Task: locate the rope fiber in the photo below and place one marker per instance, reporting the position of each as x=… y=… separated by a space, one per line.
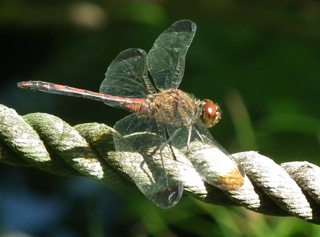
x=50 y=144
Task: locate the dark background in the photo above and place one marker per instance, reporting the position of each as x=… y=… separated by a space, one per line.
x=260 y=60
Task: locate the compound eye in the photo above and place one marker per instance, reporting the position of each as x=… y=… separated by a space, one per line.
x=211 y=114
x=210 y=108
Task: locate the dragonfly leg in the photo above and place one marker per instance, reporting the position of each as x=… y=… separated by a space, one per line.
x=189 y=139
x=170 y=139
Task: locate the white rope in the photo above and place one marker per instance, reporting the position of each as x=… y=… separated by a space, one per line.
x=291 y=189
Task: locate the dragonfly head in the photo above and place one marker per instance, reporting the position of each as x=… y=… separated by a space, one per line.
x=211 y=113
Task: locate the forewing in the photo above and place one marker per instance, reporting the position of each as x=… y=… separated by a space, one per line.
x=151 y=164
x=166 y=59
x=214 y=164
x=127 y=76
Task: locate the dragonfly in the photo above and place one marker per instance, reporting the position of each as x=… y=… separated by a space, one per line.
x=167 y=119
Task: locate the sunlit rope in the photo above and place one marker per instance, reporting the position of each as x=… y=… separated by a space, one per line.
x=50 y=144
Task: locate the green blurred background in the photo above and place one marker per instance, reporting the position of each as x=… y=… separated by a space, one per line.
x=260 y=60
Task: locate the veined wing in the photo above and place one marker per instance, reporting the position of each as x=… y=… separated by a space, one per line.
x=127 y=76
x=166 y=59
x=213 y=163
x=156 y=174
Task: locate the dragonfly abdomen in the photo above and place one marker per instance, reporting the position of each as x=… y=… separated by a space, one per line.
x=132 y=104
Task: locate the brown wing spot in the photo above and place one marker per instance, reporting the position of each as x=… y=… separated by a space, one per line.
x=232 y=181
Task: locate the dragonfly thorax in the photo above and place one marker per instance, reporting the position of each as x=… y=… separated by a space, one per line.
x=174 y=107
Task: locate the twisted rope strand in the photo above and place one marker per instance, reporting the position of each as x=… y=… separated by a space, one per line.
x=48 y=143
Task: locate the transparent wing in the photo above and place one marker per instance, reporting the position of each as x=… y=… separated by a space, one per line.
x=214 y=164
x=127 y=76
x=156 y=175
x=166 y=59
